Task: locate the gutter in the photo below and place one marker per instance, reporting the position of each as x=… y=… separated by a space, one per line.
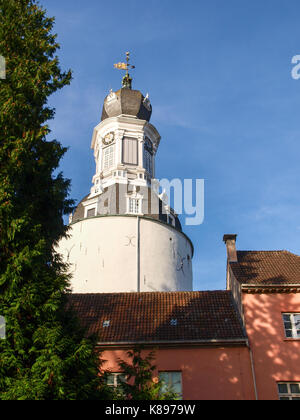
x=176 y=343
x=270 y=288
x=138 y=269
x=245 y=285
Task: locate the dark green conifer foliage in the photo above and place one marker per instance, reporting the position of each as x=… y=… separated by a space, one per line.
x=140 y=383
x=45 y=354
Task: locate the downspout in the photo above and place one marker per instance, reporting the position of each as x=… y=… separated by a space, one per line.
x=253 y=370
x=138 y=253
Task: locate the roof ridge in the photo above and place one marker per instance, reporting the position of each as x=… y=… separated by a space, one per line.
x=151 y=293
x=278 y=251
x=268 y=250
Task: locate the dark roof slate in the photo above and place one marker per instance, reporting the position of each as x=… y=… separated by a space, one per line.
x=147 y=316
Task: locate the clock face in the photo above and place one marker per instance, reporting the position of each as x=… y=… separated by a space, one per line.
x=108 y=138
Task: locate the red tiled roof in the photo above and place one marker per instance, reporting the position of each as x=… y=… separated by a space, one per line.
x=267 y=268
x=147 y=316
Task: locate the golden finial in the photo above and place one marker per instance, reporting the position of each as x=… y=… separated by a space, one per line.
x=127 y=80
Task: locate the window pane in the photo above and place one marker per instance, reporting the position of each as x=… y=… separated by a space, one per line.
x=163 y=376
x=296 y=398
x=134 y=205
x=176 y=377
x=110 y=380
x=295 y=389
x=289 y=391
x=121 y=378
x=284 y=398
x=289 y=333
x=283 y=388
x=297 y=321
x=172 y=381
x=286 y=318
x=176 y=382
x=288 y=325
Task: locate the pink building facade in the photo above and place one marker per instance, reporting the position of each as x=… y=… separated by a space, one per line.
x=276 y=357
x=266 y=289
x=207 y=373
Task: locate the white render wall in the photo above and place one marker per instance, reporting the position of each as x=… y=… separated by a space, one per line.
x=106 y=257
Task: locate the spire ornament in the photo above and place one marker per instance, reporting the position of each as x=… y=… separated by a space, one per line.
x=127 y=80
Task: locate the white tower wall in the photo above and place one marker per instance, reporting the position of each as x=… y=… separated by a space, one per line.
x=127 y=254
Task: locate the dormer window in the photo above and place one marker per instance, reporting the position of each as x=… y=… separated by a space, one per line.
x=171 y=220
x=134 y=205
x=91 y=212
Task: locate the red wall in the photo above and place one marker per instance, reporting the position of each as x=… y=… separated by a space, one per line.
x=207 y=373
x=275 y=357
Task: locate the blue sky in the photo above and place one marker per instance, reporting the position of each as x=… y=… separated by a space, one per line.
x=219 y=78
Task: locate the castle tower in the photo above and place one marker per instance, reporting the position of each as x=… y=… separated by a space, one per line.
x=123 y=235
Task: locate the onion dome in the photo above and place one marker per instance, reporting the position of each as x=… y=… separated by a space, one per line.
x=127 y=101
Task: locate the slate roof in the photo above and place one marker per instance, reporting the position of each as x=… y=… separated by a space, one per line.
x=111 y=195
x=159 y=316
x=267 y=268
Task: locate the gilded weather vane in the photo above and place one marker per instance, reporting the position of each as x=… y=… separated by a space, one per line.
x=127 y=80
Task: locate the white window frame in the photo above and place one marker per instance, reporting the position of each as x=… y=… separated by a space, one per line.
x=88 y=210
x=108 y=159
x=169 y=386
x=115 y=376
x=289 y=395
x=295 y=330
x=136 y=208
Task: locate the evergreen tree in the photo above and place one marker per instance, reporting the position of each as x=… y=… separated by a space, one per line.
x=45 y=354
x=140 y=383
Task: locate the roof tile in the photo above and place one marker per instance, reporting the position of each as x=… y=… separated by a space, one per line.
x=147 y=316
x=267 y=268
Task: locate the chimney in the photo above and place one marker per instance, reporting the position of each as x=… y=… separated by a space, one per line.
x=230 y=241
